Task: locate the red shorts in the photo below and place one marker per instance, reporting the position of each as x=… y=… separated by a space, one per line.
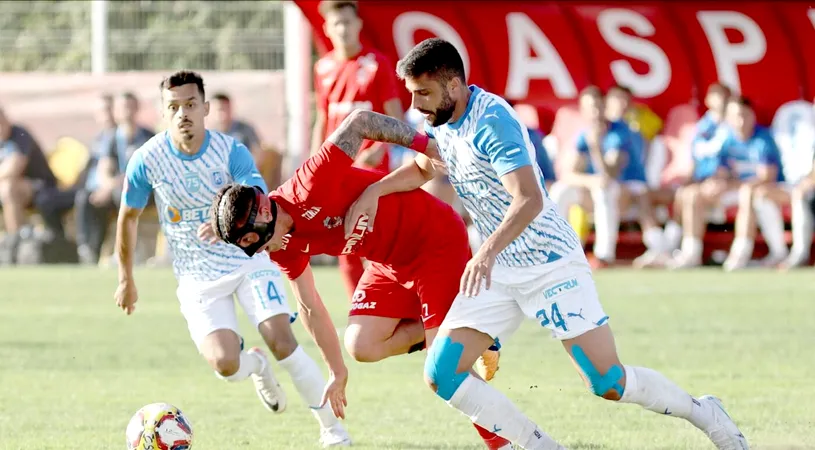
x=424 y=290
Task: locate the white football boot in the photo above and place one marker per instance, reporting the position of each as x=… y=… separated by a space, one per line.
x=335 y=436
x=724 y=434
x=266 y=385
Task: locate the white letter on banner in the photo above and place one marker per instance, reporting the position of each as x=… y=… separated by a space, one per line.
x=524 y=36
x=651 y=84
x=406 y=25
x=728 y=56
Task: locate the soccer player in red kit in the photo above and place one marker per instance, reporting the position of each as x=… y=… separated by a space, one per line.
x=350 y=77
x=417 y=252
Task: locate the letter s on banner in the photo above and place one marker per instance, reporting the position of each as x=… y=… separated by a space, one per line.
x=406 y=24
x=548 y=65
x=728 y=56
x=658 y=78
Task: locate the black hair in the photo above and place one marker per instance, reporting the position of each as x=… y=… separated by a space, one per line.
x=221 y=97
x=181 y=78
x=434 y=57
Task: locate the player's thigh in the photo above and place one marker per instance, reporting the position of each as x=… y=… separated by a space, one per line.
x=473 y=325
x=263 y=298
x=563 y=299
x=378 y=306
x=212 y=323
x=261 y=293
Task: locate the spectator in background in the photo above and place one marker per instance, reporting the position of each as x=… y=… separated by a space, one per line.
x=120 y=137
x=221 y=115
x=347 y=78
x=711 y=131
x=603 y=150
x=751 y=156
x=26 y=181
x=634 y=187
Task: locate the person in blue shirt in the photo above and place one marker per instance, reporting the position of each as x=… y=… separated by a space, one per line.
x=706 y=185
x=635 y=189
x=595 y=169
x=751 y=156
x=111 y=150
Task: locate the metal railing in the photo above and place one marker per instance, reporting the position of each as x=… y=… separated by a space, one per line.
x=124 y=35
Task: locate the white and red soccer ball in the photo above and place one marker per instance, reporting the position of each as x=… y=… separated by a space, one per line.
x=159 y=426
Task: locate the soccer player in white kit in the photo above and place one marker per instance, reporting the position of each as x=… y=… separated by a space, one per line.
x=530 y=265
x=184 y=167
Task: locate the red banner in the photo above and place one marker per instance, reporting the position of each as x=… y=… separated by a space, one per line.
x=667 y=53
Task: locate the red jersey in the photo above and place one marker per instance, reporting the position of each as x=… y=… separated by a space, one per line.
x=366 y=81
x=317 y=197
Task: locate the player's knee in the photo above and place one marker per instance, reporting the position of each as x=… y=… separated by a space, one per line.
x=609 y=386
x=441 y=366
x=361 y=348
x=224 y=365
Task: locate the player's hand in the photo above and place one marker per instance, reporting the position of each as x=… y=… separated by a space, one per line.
x=207 y=234
x=477 y=270
x=126 y=296
x=335 y=393
x=365 y=205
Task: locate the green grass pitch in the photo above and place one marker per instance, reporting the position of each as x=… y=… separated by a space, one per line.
x=73 y=368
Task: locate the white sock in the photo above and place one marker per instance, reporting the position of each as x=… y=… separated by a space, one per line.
x=672 y=236
x=654 y=392
x=309 y=381
x=802 y=227
x=606 y=221
x=771 y=223
x=692 y=248
x=491 y=409
x=741 y=249
x=249 y=364
x=653 y=239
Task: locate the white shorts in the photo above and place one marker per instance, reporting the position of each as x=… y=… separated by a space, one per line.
x=561 y=296
x=636 y=187
x=210 y=306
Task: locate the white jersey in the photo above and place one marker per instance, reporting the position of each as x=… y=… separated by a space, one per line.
x=484 y=144
x=184 y=186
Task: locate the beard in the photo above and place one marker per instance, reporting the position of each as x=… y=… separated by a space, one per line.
x=444 y=112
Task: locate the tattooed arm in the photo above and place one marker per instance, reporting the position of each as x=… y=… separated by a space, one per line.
x=361 y=125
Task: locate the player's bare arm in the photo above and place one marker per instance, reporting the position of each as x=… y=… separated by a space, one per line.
x=361 y=125
x=409 y=177
x=527 y=203
x=126 y=229
x=318 y=323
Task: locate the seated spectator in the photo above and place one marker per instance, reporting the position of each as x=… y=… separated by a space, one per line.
x=751 y=156
x=111 y=150
x=603 y=150
x=224 y=121
x=634 y=187
x=26 y=181
x=711 y=130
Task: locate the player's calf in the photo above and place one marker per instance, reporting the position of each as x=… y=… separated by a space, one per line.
x=278 y=335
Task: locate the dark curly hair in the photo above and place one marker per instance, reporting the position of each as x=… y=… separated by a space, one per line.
x=230 y=209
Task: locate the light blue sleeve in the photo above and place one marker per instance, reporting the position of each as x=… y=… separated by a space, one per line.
x=242 y=167
x=137 y=188
x=428 y=130
x=617 y=140
x=768 y=154
x=500 y=137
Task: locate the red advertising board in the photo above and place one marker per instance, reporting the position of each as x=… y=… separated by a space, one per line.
x=543 y=53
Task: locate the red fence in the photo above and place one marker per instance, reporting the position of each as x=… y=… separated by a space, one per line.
x=667 y=52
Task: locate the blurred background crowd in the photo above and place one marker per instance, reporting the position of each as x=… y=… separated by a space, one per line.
x=706 y=182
